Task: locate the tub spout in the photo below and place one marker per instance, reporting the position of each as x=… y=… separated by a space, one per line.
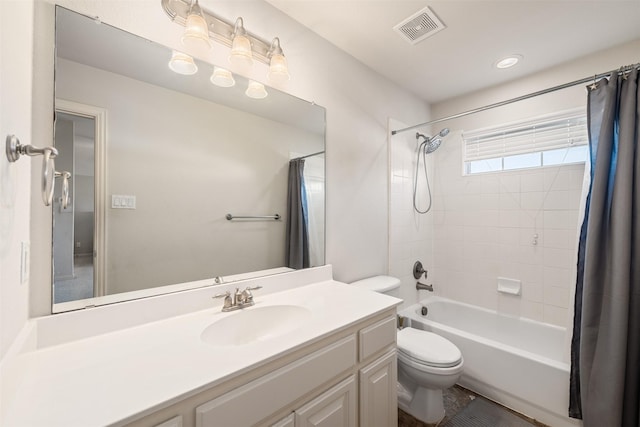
x=422 y=286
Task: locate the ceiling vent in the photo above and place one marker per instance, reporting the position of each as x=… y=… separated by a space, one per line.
x=419 y=26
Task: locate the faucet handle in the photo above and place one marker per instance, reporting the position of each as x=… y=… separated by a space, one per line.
x=227 y=299
x=248 y=296
x=239 y=297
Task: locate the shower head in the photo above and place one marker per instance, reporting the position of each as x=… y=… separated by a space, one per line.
x=432 y=144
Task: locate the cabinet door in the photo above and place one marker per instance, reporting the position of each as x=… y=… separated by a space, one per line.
x=379 y=393
x=334 y=408
x=288 y=421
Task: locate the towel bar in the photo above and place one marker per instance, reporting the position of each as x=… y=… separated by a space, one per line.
x=275 y=217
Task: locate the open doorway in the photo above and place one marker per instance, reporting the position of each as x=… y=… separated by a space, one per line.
x=73 y=231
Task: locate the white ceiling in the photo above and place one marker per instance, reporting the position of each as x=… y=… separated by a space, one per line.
x=460 y=59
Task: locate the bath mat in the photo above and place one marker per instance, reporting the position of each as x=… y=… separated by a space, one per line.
x=482 y=413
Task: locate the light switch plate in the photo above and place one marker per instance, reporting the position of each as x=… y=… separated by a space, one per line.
x=119 y=201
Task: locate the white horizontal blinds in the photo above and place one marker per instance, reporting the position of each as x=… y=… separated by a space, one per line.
x=554 y=132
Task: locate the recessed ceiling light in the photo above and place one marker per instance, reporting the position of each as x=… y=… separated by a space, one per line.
x=508 y=62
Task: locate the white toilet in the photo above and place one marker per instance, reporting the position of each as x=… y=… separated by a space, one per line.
x=427 y=363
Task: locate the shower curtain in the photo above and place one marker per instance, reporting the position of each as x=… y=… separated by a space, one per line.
x=605 y=359
x=297 y=233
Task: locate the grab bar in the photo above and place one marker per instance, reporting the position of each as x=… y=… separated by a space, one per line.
x=14 y=149
x=275 y=217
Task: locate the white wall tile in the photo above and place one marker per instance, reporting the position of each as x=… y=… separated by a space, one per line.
x=533 y=200
x=532 y=310
x=559 y=238
x=510 y=218
x=509 y=183
x=558 y=257
x=509 y=305
x=560 y=200
x=531 y=237
x=555 y=315
x=558 y=276
x=556 y=296
x=533 y=292
x=532 y=182
x=510 y=201
x=509 y=235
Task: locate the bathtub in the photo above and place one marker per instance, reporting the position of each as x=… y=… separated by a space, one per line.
x=516 y=362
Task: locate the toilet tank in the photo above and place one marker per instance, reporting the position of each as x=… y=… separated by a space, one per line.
x=384 y=284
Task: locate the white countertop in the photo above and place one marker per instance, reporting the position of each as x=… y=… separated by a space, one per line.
x=115 y=377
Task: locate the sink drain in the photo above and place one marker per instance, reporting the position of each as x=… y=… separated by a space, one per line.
x=424 y=310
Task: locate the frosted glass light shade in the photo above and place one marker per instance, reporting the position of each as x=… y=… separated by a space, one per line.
x=222 y=77
x=182 y=63
x=256 y=90
x=196 y=32
x=278 y=69
x=241 y=54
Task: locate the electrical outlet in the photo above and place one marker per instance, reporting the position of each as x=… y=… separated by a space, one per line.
x=24 y=261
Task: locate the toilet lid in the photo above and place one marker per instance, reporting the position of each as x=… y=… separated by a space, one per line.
x=428 y=348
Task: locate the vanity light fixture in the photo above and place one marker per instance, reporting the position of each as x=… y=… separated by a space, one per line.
x=256 y=90
x=222 y=77
x=196 y=30
x=508 y=62
x=245 y=47
x=278 y=69
x=241 y=54
x=182 y=63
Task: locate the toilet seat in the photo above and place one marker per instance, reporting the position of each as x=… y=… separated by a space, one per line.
x=427 y=349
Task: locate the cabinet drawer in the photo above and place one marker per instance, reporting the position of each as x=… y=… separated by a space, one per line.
x=260 y=398
x=377 y=336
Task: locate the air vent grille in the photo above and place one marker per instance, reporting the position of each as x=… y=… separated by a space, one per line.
x=419 y=26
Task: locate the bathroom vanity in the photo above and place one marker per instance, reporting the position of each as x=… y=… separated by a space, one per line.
x=310 y=352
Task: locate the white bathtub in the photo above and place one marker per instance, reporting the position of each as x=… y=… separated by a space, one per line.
x=516 y=362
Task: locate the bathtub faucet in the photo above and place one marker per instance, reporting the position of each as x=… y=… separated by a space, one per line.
x=423 y=287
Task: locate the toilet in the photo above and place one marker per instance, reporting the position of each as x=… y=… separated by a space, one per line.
x=427 y=362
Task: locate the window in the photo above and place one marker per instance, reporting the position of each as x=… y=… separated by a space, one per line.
x=550 y=140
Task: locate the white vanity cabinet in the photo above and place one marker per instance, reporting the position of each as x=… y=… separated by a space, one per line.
x=344 y=380
x=334 y=408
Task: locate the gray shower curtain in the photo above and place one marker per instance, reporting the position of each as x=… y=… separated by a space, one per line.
x=605 y=371
x=297 y=233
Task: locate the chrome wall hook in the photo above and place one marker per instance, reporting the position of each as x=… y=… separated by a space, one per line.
x=14 y=149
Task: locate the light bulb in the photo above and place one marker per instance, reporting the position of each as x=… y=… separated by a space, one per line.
x=278 y=69
x=241 y=55
x=196 y=31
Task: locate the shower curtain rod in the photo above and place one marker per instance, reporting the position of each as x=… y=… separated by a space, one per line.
x=622 y=70
x=308 y=155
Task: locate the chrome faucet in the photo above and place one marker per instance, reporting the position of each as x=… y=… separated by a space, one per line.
x=240 y=299
x=423 y=287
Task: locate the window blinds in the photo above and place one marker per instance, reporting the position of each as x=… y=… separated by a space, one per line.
x=550 y=132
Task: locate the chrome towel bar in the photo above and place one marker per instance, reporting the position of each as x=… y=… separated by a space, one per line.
x=275 y=217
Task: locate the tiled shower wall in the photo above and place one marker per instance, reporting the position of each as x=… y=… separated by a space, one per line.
x=520 y=225
x=410 y=234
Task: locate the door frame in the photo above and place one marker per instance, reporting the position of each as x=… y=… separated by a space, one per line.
x=99 y=115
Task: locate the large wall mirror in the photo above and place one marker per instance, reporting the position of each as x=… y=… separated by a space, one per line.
x=158 y=160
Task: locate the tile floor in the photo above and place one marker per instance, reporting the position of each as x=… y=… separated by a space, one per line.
x=456 y=399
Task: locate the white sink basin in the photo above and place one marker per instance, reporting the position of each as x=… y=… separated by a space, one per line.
x=254 y=324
